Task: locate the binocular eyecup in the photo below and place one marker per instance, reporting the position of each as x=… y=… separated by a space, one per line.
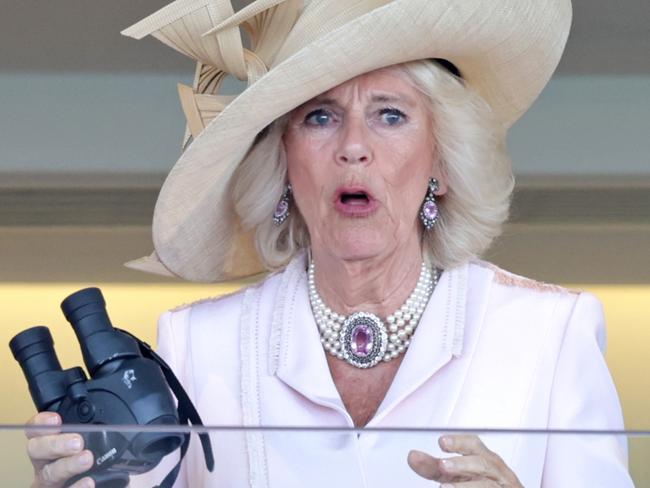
x=48 y=383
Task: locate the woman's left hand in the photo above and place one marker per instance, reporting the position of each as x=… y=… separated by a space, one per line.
x=476 y=467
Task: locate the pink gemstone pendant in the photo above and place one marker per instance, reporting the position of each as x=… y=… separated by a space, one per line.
x=363 y=339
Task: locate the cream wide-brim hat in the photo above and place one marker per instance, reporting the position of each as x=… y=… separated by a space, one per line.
x=506 y=51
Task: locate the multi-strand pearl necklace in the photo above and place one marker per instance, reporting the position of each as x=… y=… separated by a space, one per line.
x=363 y=339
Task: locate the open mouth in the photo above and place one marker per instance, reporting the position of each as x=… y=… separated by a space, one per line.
x=355 y=202
x=354 y=198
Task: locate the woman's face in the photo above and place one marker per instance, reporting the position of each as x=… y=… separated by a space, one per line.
x=359 y=159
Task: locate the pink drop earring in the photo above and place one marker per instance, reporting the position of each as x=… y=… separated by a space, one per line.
x=429 y=209
x=282 y=208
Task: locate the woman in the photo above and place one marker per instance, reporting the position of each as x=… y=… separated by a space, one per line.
x=368 y=168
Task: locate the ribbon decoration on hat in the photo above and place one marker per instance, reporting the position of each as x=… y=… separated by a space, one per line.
x=209 y=31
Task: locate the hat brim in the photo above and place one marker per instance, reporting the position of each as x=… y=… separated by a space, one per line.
x=506 y=51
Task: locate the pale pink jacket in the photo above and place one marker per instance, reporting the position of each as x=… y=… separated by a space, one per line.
x=493 y=350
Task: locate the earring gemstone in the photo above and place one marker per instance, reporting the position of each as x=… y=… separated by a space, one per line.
x=281 y=210
x=430 y=210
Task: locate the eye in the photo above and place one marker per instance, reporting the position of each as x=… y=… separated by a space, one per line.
x=318 y=118
x=392 y=116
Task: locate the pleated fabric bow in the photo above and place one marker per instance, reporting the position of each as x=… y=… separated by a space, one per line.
x=223 y=43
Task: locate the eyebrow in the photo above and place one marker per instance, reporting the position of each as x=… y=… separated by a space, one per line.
x=384 y=98
x=321 y=101
x=377 y=98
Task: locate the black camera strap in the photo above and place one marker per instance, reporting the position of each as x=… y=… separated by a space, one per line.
x=186 y=412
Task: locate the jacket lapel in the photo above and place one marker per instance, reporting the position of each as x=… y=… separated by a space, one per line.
x=438 y=339
x=297 y=355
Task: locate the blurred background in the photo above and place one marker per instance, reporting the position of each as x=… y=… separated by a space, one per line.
x=90 y=123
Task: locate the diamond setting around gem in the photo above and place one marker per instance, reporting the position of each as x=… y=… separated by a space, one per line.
x=281 y=212
x=364 y=339
x=429 y=209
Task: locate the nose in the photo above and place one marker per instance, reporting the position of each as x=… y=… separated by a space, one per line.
x=354 y=146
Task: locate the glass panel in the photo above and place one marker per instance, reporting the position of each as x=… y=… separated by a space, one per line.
x=287 y=457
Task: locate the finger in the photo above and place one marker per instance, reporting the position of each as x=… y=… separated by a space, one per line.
x=450 y=469
x=472 y=484
x=462 y=444
x=425 y=465
x=467 y=468
x=50 y=447
x=61 y=470
x=487 y=464
x=83 y=483
x=48 y=419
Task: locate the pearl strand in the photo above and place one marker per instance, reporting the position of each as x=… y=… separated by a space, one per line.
x=401 y=324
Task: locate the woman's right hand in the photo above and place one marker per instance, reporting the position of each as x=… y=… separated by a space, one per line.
x=56 y=457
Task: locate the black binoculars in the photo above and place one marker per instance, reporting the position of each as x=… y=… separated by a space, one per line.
x=128 y=385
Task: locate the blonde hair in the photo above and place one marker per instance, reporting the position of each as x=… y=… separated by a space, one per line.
x=471 y=153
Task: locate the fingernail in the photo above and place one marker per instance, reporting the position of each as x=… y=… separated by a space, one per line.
x=85 y=459
x=419 y=455
x=74 y=444
x=447 y=442
x=88 y=483
x=52 y=420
